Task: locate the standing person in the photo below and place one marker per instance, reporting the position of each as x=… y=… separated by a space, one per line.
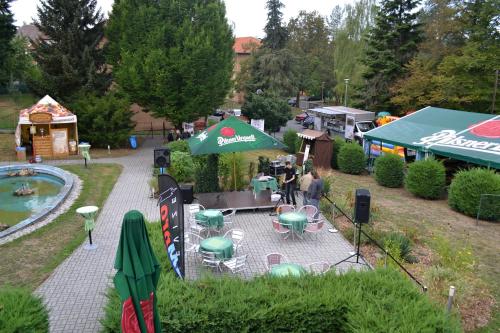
x=305 y=182
x=177 y=134
x=170 y=136
x=315 y=191
x=290 y=182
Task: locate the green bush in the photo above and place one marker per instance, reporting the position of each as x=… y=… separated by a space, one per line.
x=351 y=159
x=227 y=164
x=207 y=174
x=179 y=145
x=181 y=166
x=426 y=178
x=403 y=245
x=466 y=189
x=327 y=186
x=20 y=311
x=103 y=121
x=290 y=139
x=263 y=165
x=389 y=302
x=337 y=143
x=389 y=170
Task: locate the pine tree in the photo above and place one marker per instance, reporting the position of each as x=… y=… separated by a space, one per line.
x=71 y=57
x=7 y=32
x=174 y=58
x=392 y=43
x=276 y=32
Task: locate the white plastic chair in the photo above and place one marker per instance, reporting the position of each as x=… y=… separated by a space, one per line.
x=237 y=264
x=236 y=235
x=285 y=209
x=197 y=229
x=281 y=229
x=273 y=259
x=193 y=209
x=228 y=216
x=310 y=212
x=209 y=259
x=319 y=267
x=192 y=243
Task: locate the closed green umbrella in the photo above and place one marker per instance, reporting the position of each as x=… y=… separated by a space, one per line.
x=230 y=136
x=137 y=277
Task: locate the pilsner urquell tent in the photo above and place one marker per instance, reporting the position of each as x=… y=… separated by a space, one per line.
x=465 y=136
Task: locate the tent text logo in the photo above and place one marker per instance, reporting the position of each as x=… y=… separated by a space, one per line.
x=449 y=138
x=221 y=141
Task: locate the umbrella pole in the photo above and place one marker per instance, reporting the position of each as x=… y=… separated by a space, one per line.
x=234 y=169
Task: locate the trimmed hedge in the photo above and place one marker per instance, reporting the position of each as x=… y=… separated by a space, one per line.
x=20 y=311
x=466 y=189
x=374 y=301
x=426 y=178
x=337 y=143
x=351 y=159
x=389 y=170
x=207 y=174
x=290 y=139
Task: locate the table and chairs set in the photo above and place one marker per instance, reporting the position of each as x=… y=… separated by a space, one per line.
x=216 y=252
x=297 y=223
x=278 y=265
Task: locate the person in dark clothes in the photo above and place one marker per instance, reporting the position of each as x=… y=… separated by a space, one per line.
x=290 y=182
x=170 y=136
x=315 y=191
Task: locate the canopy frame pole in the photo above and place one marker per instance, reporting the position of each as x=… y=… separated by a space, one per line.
x=234 y=169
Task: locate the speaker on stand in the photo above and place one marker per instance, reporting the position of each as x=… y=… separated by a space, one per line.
x=161 y=159
x=361 y=216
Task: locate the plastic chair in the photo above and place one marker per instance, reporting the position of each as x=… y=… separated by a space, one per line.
x=310 y=212
x=285 y=209
x=274 y=259
x=192 y=243
x=236 y=235
x=193 y=209
x=319 y=267
x=228 y=216
x=314 y=227
x=281 y=229
x=237 y=264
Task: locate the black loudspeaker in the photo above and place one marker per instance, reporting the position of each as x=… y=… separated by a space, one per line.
x=362 y=206
x=187 y=193
x=162 y=158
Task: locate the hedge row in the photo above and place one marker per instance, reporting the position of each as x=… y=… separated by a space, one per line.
x=20 y=311
x=372 y=301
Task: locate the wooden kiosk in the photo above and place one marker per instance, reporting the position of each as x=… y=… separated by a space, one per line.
x=50 y=127
x=318 y=147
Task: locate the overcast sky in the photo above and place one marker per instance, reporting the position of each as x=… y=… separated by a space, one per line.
x=248 y=16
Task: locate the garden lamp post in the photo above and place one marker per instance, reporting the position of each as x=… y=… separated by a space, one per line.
x=345 y=98
x=89 y=213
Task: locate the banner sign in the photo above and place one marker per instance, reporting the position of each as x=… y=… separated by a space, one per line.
x=350 y=122
x=172 y=221
x=258 y=124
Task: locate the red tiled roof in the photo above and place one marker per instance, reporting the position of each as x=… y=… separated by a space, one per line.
x=245 y=45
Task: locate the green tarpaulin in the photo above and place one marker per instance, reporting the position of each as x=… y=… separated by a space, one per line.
x=466 y=136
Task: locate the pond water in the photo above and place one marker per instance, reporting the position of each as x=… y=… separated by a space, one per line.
x=14 y=209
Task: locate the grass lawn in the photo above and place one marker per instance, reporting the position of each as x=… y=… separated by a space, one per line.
x=10 y=105
x=430 y=224
x=29 y=260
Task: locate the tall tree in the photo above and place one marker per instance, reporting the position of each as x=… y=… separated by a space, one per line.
x=392 y=43
x=172 y=57
x=310 y=42
x=7 y=32
x=276 y=32
x=70 y=56
x=275 y=111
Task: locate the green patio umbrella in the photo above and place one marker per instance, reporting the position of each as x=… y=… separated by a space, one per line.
x=230 y=136
x=137 y=276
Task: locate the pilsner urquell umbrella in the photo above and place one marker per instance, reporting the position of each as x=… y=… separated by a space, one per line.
x=230 y=136
x=137 y=277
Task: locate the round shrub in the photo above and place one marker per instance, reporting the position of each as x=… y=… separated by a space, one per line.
x=179 y=145
x=290 y=139
x=466 y=189
x=181 y=166
x=389 y=170
x=426 y=178
x=351 y=159
x=336 y=145
x=20 y=311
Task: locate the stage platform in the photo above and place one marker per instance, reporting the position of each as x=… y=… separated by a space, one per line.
x=239 y=200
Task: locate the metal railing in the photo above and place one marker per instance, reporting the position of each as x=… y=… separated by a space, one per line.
x=373 y=241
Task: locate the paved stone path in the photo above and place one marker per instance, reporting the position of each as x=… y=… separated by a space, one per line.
x=75 y=292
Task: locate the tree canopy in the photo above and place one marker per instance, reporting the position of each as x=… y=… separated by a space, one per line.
x=7 y=32
x=70 y=55
x=173 y=58
x=276 y=32
x=273 y=110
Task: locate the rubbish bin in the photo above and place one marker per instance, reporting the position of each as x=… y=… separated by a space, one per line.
x=133 y=141
x=21 y=153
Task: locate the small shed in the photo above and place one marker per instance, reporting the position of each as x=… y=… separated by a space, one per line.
x=320 y=148
x=49 y=128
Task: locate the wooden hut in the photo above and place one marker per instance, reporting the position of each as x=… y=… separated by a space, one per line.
x=320 y=148
x=49 y=127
